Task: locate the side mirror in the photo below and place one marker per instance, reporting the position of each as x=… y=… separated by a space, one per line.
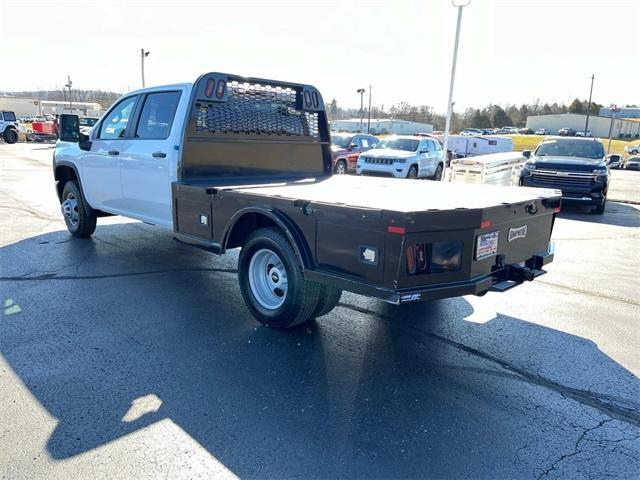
x=69 y=128
x=424 y=150
x=526 y=153
x=352 y=146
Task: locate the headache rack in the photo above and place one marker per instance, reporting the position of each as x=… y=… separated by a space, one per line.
x=248 y=126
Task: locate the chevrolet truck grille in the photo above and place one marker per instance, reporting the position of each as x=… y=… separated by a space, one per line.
x=555 y=178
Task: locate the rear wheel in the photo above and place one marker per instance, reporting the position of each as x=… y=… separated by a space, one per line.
x=413 y=172
x=329 y=298
x=80 y=222
x=340 y=168
x=271 y=281
x=438 y=174
x=10 y=135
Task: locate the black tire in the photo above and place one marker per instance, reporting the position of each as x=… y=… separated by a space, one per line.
x=634 y=152
x=599 y=210
x=329 y=298
x=438 y=174
x=10 y=135
x=301 y=298
x=340 y=168
x=413 y=172
x=80 y=222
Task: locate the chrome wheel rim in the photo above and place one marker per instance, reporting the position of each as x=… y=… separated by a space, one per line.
x=340 y=170
x=70 y=210
x=268 y=279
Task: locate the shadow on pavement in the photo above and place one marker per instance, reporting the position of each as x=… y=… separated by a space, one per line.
x=348 y=396
x=618 y=214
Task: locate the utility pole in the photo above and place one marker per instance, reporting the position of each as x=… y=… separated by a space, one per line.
x=143 y=54
x=460 y=4
x=68 y=85
x=361 y=92
x=369 y=119
x=586 y=126
x=614 y=109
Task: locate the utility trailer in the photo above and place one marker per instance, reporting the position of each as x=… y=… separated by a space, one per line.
x=492 y=169
x=250 y=167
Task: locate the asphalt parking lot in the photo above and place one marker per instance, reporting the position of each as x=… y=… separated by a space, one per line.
x=129 y=355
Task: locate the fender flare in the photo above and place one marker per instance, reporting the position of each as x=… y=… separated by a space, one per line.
x=64 y=163
x=290 y=229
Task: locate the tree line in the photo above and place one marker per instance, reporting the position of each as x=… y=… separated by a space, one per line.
x=491 y=116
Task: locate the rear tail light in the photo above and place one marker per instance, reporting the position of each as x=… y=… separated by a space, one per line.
x=411 y=260
x=437 y=257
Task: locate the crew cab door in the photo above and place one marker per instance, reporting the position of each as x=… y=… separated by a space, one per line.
x=149 y=165
x=100 y=166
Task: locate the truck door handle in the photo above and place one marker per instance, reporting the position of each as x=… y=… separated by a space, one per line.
x=158 y=154
x=114 y=152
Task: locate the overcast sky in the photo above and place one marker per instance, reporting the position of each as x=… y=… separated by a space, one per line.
x=510 y=51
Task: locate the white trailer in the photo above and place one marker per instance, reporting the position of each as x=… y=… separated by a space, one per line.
x=465 y=146
x=493 y=169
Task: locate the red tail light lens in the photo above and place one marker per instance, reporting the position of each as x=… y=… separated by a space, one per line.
x=220 y=90
x=208 y=91
x=411 y=260
x=421 y=259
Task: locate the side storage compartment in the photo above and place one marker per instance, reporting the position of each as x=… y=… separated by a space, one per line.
x=348 y=246
x=192 y=211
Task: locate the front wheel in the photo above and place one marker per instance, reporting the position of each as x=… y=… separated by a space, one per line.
x=413 y=172
x=271 y=281
x=599 y=210
x=80 y=222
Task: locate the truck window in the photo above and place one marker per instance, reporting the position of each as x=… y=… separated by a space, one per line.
x=115 y=123
x=157 y=115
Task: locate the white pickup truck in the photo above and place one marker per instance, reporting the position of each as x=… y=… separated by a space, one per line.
x=232 y=162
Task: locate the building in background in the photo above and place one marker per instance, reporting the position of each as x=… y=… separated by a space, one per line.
x=33 y=106
x=598 y=126
x=381 y=126
x=624 y=112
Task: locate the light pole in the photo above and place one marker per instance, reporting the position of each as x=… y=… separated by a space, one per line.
x=460 y=4
x=586 y=125
x=68 y=85
x=143 y=54
x=614 y=109
x=369 y=118
x=361 y=92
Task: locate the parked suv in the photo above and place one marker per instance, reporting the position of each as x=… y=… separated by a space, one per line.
x=409 y=156
x=8 y=128
x=577 y=166
x=345 y=148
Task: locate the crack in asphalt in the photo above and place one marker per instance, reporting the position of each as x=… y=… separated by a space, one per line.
x=627 y=415
x=54 y=276
x=589 y=292
x=576 y=448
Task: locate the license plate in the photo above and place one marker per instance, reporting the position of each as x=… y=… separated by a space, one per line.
x=487 y=245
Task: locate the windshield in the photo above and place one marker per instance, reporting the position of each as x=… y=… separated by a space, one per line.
x=571 y=148
x=341 y=140
x=88 y=122
x=406 y=144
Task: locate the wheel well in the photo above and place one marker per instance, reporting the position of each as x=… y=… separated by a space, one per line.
x=251 y=221
x=62 y=175
x=244 y=226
